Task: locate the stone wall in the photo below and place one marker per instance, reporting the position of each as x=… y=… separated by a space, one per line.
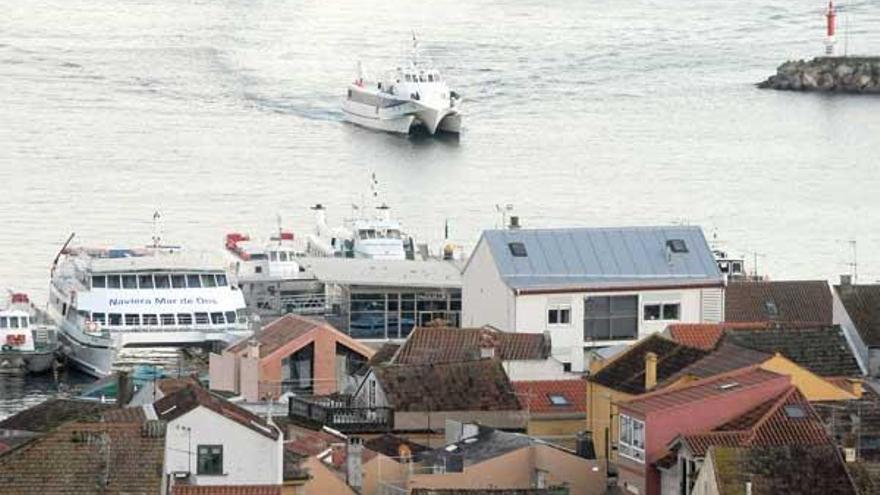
x=842 y=74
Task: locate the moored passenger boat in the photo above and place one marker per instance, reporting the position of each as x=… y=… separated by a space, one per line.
x=28 y=343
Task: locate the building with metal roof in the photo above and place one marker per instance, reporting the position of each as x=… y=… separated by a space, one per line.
x=591 y=287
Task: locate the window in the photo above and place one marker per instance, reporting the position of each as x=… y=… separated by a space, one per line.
x=202 y=319
x=282 y=256
x=162 y=281
x=146 y=281
x=558 y=400
x=677 y=245
x=221 y=280
x=210 y=460
x=13 y=322
x=184 y=319
x=99 y=282
x=230 y=317
x=559 y=314
x=631 y=442
x=273 y=256
x=611 y=318
x=795 y=412
x=208 y=281
x=517 y=249
x=178 y=281
x=167 y=319
x=151 y=320
x=113 y=282
x=24 y=322
x=132 y=320
x=192 y=281
x=129 y=282
x=115 y=319
x=4 y=323
x=217 y=318
x=100 y=318
x=662 y=311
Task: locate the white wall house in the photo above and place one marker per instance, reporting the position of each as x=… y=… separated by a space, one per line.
x=591 y=287
x=856 y=308
x=210 y=441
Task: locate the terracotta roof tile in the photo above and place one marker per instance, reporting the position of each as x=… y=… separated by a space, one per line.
x=788 y=419
x=626 y=372
x=226 y=490
x=706 y=335
x=480 y=385
x=384 y=354
x=782 y=301
x=715 y=386
x=862 y=303
x=175 y=405
x=290 y=327
x=535 y=396
x=87 y=458
x=821 y=349
x=444 y=344
x=171 y=385
x=125 y=415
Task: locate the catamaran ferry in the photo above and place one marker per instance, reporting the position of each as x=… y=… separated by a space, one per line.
x=106 y=300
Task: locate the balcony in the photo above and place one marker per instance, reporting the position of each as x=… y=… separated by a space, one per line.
x=340 y=413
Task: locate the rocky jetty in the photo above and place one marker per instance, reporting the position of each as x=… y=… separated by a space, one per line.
x=841 y=74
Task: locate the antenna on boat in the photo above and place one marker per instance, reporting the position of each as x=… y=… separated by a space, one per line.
x=62 y=250
x=157 y=237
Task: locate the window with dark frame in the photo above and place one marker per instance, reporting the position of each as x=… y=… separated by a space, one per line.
x=559 y=314
x=611 y=318
x=210 y=460
x=558 y=400
x=517 y=249
x=661 y=311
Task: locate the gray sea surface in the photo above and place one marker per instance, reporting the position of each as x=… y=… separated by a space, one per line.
x=223 y=114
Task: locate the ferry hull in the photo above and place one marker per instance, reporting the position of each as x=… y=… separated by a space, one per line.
x=401 y=118
x=31 y=362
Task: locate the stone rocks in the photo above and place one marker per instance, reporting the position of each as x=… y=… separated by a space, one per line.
x=843 y=74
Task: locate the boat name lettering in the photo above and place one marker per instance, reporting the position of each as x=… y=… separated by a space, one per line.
x=161 y=301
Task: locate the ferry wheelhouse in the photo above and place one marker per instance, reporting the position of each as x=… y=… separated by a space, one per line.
x=27 y=342
x=377 y=237
x=105 y=300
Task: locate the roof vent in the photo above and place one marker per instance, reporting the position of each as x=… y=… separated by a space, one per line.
x=728 y=386
x=772 y=309
x=676 y=246
x=517 y=249
x=514 y=222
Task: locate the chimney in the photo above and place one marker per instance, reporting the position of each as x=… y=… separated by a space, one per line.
x=845 y=281
x=123 y=389
x=514 y=222
x=487 y=345
x=650 y=371
x=354 y=464
x=253 y=348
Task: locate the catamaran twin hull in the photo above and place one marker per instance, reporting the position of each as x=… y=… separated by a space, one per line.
x=401 y=116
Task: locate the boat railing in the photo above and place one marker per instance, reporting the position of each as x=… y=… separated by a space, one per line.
x=340 y=413
x=305 y=304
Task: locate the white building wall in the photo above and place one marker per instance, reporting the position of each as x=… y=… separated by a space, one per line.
x=568 y=340
x=485 y=298
x=249 y=458
x=853 y=338
x=535 y=369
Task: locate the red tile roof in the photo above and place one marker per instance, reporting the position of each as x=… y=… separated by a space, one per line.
x=535 y=396
x=706 y=335
x=226 y=490
x=781 y=301
x=171 y=385
x=715 y=386
x=788 y=419
x=277 y=334
x=125 y=415
x=175 y=405
x=445 y=344
x=87 y=458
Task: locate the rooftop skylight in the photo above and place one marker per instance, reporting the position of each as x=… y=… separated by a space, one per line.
x=517 y=249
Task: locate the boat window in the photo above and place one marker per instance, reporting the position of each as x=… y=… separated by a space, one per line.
x=129 y=282
x=393 y=234
x=408 y=78
x=184 y=319
x=115 y=319
x=192 y=281
x=201 y=318
x=178 y=281
x=273 y=256
x=208 y=281
x=113 y=282
x=151 y=320
x=430 y=77
x=99 y=282
x=100 y=318
x=13 y=322
x=3 y=322
x=282 y=256
x=132 y=320
x=167 y=319
x=221 y=280
x=217 y=318
x=162 y=281
x=145 y=281
x=230 y=317
x=24 y=323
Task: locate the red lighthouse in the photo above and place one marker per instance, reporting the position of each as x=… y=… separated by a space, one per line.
x=830 y=18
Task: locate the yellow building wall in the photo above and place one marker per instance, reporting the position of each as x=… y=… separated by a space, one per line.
x=324 y=481
x=813 y=386
x=602 y=415
x=559 y=431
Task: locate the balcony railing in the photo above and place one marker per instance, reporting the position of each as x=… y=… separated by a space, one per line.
x=338 y=412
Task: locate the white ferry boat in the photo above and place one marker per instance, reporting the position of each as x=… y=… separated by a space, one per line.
x=106 y=300
x=276 y=258
x=409 y=96
x=27 y=342
x=377 y=237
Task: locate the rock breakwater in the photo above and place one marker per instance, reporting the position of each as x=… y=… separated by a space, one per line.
x=841 y=74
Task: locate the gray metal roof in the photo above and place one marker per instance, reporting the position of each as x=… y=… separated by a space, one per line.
x=602 y=258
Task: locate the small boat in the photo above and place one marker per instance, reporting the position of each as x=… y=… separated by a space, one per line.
x=413 y=95
x=27 y=342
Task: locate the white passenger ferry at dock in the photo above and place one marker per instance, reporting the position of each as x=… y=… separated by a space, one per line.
x=106 y=300
x=414 y=95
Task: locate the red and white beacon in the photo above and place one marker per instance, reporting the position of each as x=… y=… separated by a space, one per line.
x=831 y=19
